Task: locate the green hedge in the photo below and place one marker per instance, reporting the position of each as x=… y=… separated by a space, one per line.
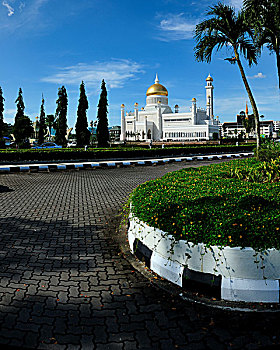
x=206 y=205
x=113 y=153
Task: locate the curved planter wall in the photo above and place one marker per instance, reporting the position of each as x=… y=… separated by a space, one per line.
x=242 y=274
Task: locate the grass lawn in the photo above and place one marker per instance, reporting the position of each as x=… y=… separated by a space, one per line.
x=227 y=204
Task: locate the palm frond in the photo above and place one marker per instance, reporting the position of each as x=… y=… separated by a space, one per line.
x=248 y=50
x=207 y=44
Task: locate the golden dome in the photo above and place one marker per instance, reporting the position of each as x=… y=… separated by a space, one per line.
x=209 y=78
x=194 y=99
x=157 y=89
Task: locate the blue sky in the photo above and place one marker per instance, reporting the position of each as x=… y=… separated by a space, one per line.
x=49 y=43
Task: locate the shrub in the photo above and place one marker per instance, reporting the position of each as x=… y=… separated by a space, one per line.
x=269 y=150
x=114 y=153
x=268 y=171
x=207 y=205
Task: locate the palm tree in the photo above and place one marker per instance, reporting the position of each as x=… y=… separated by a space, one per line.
x=264 y=16
x=226 y=28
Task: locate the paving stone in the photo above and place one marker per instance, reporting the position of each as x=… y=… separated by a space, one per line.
x=212 y=343
x=76 y=291
x=121 y=336
x=109 y=346
x=100 y=334
x=130 y=345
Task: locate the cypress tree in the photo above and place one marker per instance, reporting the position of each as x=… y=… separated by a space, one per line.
x=82 y=132
x=23 y=129
x=23 y=125
x=2 y=125
x=61 y=117
x=42 y=123
x=102 y=131
x=20 y=106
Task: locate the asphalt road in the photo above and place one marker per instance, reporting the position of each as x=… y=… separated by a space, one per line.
x=64 y=283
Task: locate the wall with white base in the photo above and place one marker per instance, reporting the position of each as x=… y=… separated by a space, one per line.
x=246 y=275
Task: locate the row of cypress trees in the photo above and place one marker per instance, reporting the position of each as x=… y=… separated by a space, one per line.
x=82 y=131
x=23 y=126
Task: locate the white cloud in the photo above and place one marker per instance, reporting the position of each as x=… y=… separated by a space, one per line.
x=9 y=115
x=176 y=27
x=236 y=3
x=258 y=76
x=114 y=72
x=10 y=111
x=21 y=6
x=26 y=13
x=11 y=11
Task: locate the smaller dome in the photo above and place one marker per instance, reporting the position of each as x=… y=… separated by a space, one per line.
x=122 y=105
x=209 y=78
x=194 y=99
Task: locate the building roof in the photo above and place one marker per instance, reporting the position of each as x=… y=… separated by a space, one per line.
x=157 y=89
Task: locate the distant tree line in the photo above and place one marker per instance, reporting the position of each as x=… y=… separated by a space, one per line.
x=23 y=129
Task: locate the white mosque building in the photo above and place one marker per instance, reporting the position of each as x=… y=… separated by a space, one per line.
x=157 y=122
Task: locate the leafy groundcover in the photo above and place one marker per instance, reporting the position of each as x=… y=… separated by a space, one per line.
x=213 y=206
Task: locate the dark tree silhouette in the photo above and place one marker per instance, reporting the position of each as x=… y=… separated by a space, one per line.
x=42 y=123
x=82 y=132
x=61 y=117
x=2 y=124
x=102 y=132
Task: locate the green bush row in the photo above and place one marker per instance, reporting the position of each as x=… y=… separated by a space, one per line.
x=207 y=205
x=109 y=153
x=269 y=150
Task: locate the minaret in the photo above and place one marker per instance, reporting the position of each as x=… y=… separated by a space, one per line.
x=122 y=136
x=159 y=120
x=194 y=111
x=145 y=127
x=136 y=111
x=209 y=97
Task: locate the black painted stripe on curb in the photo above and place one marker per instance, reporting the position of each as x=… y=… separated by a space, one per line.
x=142 y=252
x=206 y=283
x=104 y=164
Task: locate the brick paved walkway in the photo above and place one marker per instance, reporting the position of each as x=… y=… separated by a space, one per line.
x=65 y=285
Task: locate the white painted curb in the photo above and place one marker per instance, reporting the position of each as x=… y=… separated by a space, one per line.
x=247 y=275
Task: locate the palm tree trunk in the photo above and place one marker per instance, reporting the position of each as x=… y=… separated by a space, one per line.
x=251 y=98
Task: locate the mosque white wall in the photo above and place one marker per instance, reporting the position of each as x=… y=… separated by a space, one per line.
x=163 y=124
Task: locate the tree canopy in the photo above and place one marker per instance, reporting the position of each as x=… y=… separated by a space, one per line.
x=20 y=105
x=226 y=28
x=102 y=132
x=264 y=17
x=2 y=124
x=61 y=117
x=42 y=123
x=82 y=132
x=23 y=128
